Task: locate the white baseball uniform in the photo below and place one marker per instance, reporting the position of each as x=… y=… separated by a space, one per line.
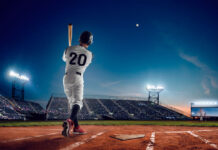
x=77 y=59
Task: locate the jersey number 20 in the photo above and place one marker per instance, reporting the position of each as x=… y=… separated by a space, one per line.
x=80 y=60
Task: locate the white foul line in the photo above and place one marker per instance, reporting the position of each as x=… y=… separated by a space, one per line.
x=204 y=140
x=152 y=141
x=174 y=132
x=74 y=145
x=38 y=129
x=186 y=131
x=29 y=137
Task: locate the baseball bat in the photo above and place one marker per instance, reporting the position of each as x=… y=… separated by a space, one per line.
x=70 y=33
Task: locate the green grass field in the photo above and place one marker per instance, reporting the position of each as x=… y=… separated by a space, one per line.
x=111 y=122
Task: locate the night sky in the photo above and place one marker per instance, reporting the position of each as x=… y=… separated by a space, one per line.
x=175 y=46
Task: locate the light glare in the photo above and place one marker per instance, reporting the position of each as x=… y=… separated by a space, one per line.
x=13 y=74
x=22 y=77
x=160 y=87
x=154 y=88
x=16 y=75
x=205 y=103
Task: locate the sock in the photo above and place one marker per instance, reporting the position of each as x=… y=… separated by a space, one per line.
x=74 y=112
x=76 y=124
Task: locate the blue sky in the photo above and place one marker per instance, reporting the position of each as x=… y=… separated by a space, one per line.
x=175 y=46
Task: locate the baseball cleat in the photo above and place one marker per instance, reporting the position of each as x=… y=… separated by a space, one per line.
x=67 y=125
x=78 y=130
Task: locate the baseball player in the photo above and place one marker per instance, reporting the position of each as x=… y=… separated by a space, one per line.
x=77 y=59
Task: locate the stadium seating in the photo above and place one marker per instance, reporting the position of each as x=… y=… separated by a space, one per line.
x=97 y=109
x=37 y=108
x=11 y=109
x=7 y=111
x=93 y=109
x=57 y=108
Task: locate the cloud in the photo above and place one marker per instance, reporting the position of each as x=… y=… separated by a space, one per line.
x=195 y=61
x=109 y=84
x=206 y=89
x=208 y=73
x=214 y=81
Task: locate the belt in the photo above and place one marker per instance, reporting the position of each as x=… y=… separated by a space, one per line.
x=78 y=73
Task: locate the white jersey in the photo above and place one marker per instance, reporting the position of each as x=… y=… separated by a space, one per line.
x=77 y=59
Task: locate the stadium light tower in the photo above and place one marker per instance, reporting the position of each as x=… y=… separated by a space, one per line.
x=22 y=78
x=154 y=93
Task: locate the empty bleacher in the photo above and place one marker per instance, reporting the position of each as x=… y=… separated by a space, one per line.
x=57 y=108
x=11 y=109
x=7 y=110
x=93 y=109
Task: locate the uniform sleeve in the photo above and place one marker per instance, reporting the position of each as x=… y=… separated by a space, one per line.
x=64 y=56
x=91 y=55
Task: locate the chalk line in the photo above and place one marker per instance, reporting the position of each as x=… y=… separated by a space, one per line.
x=202 y=139
x=74 y=145
x=152 y=141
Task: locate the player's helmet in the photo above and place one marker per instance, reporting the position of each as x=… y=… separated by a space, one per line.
x=86 y=37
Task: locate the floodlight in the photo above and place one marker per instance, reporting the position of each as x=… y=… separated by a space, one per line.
x=16 y=75
x=159 y=87
x=13 y=74
x=153 y=92
x=155 y=88
x=23 y=77
x=150 y=87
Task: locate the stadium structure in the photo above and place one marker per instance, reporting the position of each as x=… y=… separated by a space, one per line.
x=204 y=110
x=16 y=108
x=95 y=108
x=11 y=109
x=110 y=108
x=116 y=108
x=113 y=109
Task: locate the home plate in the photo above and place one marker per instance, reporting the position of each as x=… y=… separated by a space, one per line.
x=124 y=137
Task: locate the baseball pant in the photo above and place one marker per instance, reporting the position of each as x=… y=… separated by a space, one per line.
x=73 y=88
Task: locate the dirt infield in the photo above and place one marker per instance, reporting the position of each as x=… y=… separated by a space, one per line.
x=98 y=138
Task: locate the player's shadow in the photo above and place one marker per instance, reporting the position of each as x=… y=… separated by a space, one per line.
x=50 y=142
